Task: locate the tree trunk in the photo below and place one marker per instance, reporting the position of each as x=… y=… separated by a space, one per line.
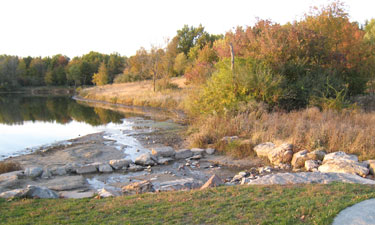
x=232 y=56
x=154 y=80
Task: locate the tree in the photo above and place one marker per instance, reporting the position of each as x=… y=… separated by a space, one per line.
x=74 y=74
x=156 y=64
x=180 y=63
x=101 y=77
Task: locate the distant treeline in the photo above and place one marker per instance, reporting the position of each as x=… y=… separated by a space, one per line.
x=18 y=72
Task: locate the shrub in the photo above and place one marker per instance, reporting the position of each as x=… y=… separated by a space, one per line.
x=6 y=167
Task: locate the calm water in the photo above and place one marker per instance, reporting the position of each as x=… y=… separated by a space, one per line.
x=30 y=122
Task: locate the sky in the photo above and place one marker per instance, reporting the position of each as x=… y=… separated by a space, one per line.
x=76 y=27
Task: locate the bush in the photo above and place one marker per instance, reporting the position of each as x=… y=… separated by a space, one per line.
x=164 y=84
x=6 y=167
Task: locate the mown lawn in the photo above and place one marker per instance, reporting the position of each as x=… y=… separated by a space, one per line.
x=301 y=204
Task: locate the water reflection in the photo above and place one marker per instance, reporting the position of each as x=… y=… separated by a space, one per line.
x=15 y=109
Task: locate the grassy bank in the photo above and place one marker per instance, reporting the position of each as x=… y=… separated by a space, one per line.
x=139 y=94
x=304 y=204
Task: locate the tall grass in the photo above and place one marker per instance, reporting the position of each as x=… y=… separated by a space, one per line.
x=6 y=167
x=349 y=131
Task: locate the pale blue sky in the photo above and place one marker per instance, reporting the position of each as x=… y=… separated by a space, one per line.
x=75 y=27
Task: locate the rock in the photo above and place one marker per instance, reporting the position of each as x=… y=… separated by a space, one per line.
x=309 y=178
x=245 y=181
x=281 y=154
x=180 y=184
x=46 y=173
x=163 y=152
x=105 y=193
x=105 y=168
x=285 y=166
x=317 y=155
x=266 y=169
x=371 y=166
x=210 y=151
x=243 y=173
x=299 y=159
x=196 y=157
x=310 y=165
x=72 y=167
x=237 y=178
x=343 y=166
x=163 y=161
x=120 y=163
x=16 y=193
x=145 y=160
x=58 y=171
x=135 y=168
x=214 y=181
x=77 y=194
x=138 y=188
x=183 y=154
x=339 y=156
x=198 y=151
x=39 y=192
x=10 y=180
x=89 y=168
x=263 y=149
x=228 y=139
x=65 y=183
x=33 y=172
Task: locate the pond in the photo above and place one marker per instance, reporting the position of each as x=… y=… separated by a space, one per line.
x=29 y=122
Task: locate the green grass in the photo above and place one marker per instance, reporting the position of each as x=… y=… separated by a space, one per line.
x=318 y=204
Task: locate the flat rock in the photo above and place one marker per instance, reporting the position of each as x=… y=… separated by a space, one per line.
x=90 y=168
x=138 y=188
x=263 y=149
x=119 y=163
x=12 y=194
x=163 y=161
x=344 y=166
x=105 y=168
x=362 y=213
x=299 y=159
x=66 y=183
x=58 y=171
x=46 y=173
x=180 y=184
x=145 y=160
x=309 y=178
x=33 y=172
x=214 y=181
x=339 y=156
x=135 y=168
x=163 y=152
x=105 y=193
x=183 y=154
x=77 y=194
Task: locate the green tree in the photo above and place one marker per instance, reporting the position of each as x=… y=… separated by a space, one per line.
x=74 y=74
x=101 y=77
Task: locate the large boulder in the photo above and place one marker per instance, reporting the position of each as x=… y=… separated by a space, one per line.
x=344 y=166
x=198 y=151
x=214 y=181
x=263 y=149
x=163 y=152
x=339 y=156
x=299 y=159
x=138 y=188
x=39 y=192
x=317 y=154
x=10 y=180
x=105 y=193
x=210 y=151
x=33 y=172
x=180 y=184
x=309 y=178
x=183 y=154
x=58 y=171
x=16 y=193
x=281 y=154
x=119 y=163
x=145 y=160
x=65 y=183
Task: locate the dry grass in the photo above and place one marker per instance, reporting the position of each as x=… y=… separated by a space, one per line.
x=351 y=132
x=139 y=94
x=6 y=167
